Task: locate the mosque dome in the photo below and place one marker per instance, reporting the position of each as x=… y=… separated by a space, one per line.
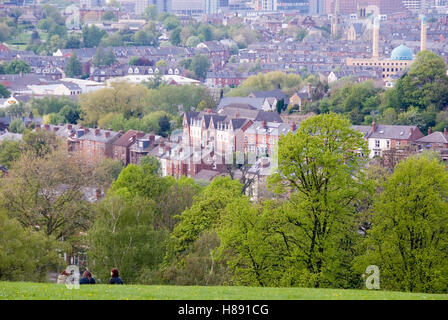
x=401 y=53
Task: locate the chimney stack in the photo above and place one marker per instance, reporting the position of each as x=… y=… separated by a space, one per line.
x=263 y=124
x=373 y=126
x=97 y=132
x=429 y=131
x=444 y=132
x=209 y=110
x=69 y=127
x=107 y=134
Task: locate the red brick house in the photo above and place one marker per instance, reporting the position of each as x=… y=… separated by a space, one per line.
x=122 y=146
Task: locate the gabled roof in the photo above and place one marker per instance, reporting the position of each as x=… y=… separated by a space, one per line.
x=278 y=94
x=128 y=138
x=254 y=102
x=394 y=132
x=435 y=137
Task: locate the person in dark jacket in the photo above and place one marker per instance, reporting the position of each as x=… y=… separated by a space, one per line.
x=115 y=277
x=87 y=278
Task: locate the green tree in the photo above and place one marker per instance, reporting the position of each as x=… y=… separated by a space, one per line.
x=18 y=66
x=206 y=32
x=25 y=255
x=147 y=36
x=73 y=42
x=40 y=142
x=45 y=193
x=91 y=36
x=140 y=180
x=10 y=151
x=17 y=126
x=172 y=22
x=124 y=236
x=164 y=125
x=301 y=34
x=200 y=65
x=425 y=84
x=108 y=16
x=4 y=93
x=107 y=172
x=103 y=58
x=5 y=32
x=203 y=215
x=192 y=41
x=408 y=240
x=151 y=12
x=69 y=114
x=321 y=165
x=175 y=36
x=73 y=67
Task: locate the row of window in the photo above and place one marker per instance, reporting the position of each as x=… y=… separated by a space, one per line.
x=151 y=71
x=381 y=64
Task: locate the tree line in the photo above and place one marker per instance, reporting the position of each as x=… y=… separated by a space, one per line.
x=331 y=214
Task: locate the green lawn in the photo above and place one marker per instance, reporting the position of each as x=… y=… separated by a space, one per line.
x=50 y=291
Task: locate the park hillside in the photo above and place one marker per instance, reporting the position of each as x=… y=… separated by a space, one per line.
x=326 y=212
x=328 y=216
x=47 y=291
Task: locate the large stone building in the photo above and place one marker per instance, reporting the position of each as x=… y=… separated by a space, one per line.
x=400 y=58
x=355 y=6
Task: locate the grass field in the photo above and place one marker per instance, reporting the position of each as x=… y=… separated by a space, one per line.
x=50 y=291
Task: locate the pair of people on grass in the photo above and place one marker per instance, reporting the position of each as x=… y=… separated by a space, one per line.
x=87 y=277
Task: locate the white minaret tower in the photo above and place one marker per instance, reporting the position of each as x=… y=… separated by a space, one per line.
x=376 y=38
x=423 y=33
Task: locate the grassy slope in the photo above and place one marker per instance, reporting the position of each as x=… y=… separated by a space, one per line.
x=22 y=290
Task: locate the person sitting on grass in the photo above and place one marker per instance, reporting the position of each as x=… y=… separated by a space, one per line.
x=62 y=277
x=87 y=278
x=115 y=277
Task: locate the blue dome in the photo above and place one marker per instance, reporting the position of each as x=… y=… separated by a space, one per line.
x=401 y=53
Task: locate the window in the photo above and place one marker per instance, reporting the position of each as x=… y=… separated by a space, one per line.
x=388 y=143
x=377 y=143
